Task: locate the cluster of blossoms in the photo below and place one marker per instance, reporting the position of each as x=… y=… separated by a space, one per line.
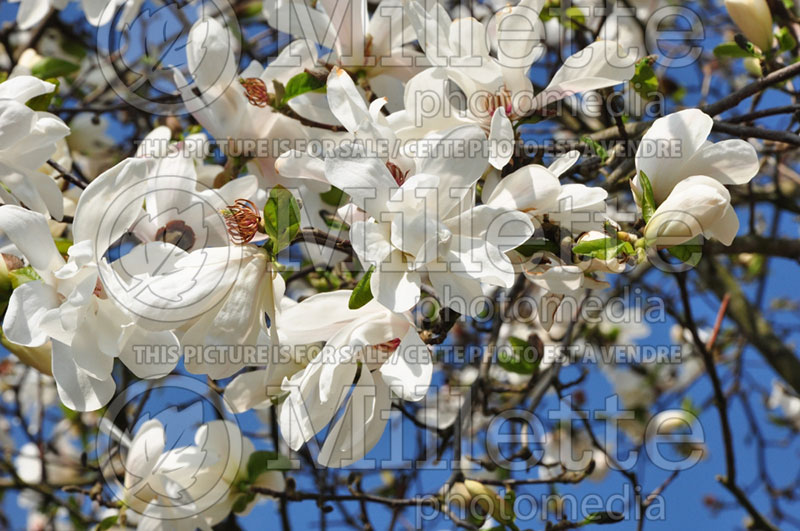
x=167 y=250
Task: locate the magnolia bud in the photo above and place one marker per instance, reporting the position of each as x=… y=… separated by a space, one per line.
x=697 y=205
x=753 y=66
x=37 y=357
x=754 y=19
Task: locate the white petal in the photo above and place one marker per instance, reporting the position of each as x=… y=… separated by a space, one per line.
x=29 y=303
x=667 y=146
x=31 y=12
x=370 y=241
x=409 y=370
x=532 y=188
x=114 y=189
x=366 y=179
x=732 y=161
x=210 y=57
x=16 y=122
x=345 y=101
x=23 y=88
x=397 y=290
x=501 y=140
x=76 y=389
x=144 y=451
x=159 y=364
x=726 y=227
x=597 y=66
x=31 y=234
x=361 y=426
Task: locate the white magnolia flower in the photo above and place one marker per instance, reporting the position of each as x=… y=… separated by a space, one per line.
x=191 y=486
x=697 y=205
x=98 y=12
x=786 y=401
x=496 y=91
x=536 y=191
x=422 y=217
x=687 y=173
x=371 y=351
x=216 y=296
x=677 y=147
x=68 y=303
x=61 y=459
x=374 y=46
x=571 y=451
x=754 y=18
x=27 y=139
x=236 y=106
x=178 y=209
x=91 y=143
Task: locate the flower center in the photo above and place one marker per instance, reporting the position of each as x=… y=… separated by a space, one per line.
x=177 y=233
x=256 y=91
x=397 y=174
x=243 y=220
x=389 y=346
x=500 y=100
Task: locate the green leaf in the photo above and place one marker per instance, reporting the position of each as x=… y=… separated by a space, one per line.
x=241 y=503
x=63 y=245
x=300 y=84
x=603 y=517
x=604 y=248
x=107 y=523
x=688 y=405
x=333 y=197
x=599 y=150
x=519 y=358
x=281 y=218
x=48 y=67
x=22 y=276
x=644 y=81
x=251 y=10
x=648 y=201
x=733 y=50
x=530 y=120
x=280 y=91
x=362 y=293
x=266 y=461
x=534 y=246
x=689 y=252
x=786 y=40
x=575 y=19
x=42 y=101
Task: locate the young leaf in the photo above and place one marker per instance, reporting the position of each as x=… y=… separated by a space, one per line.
x=644 y=81
x=362 y=293
x=300 y=84
x=265 y=461
x=241 y=503
x=23 y=275
x=599 y=150
x=48 y=67
x=604 y=248
x=689 y=252
x=281 y=218
x=42 y=101
x=519 y=359
x=733 y=51
x=648 y=201
x=107 y=523
x=786 y=40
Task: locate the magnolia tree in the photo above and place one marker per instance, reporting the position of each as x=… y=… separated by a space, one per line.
x=408 y=264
